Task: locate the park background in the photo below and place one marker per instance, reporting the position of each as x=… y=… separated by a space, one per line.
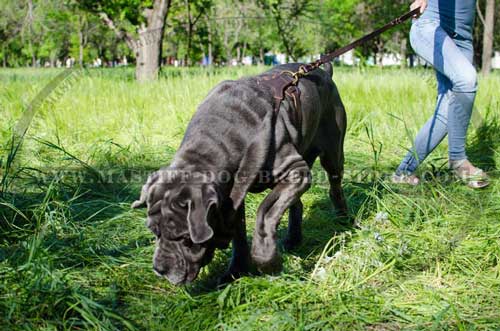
x=48 y=33
x=77 y=143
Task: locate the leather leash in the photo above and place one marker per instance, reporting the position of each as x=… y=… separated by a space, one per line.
x=285 y=82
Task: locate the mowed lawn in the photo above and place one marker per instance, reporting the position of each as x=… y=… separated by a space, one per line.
x=73 y=255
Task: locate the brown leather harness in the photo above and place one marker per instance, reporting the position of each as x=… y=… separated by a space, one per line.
x=285 y=83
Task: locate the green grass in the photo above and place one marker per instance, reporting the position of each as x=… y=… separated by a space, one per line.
x=73 y=255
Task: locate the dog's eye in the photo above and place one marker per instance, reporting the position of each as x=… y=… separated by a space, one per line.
x=186 y=241
x=181 y=204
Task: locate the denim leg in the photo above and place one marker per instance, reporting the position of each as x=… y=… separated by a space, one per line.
x=429 y=136
x=458 y=123
x=452 y=60
x=464 y=93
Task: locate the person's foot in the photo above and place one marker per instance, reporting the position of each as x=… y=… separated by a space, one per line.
x=466 y=172
x=412 y=179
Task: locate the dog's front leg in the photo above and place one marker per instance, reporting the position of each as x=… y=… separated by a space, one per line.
x=294 y=235
x=240 y=260
x=296 y=181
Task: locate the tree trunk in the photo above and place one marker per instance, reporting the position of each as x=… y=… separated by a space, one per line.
x=380 y=52
x=80 y=48
x=210 y=54
x=238 y=54
x=187 y=56
x=243 y=52
x=4 y=57
x=190 y=29
x=148 y=47
x=227 y=48
x=150 y=41
x=489 y=20
x=30 y=26
x=82 y=22
x=209 y=36
x=403 y=53
x=148 y=54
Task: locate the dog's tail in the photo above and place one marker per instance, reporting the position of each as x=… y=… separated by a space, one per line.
x=328 y=68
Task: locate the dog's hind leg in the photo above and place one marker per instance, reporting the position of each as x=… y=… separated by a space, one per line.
x=287 y=192
x=334 y=166
x=332 y=156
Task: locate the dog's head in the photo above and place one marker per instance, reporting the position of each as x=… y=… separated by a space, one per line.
x=181 y=214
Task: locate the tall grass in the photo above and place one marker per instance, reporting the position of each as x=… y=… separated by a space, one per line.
x=73 y=255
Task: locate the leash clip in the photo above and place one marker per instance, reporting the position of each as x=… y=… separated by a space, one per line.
x=294 y=75
x=297 y=74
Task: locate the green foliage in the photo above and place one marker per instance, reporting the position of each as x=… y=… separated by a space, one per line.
x=73 y=255
x=129 y=10
x=229 y=29
x=289 y=21
x=341 y=24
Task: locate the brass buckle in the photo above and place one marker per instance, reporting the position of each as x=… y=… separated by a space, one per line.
x=293 y=75
x=296 y=75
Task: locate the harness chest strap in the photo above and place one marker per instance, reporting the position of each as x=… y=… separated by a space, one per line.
x=279 y=83
x=285 y=85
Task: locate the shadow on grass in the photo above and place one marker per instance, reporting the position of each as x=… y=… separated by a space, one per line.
x=53 y=228
x=65 y=211
x=319 y=226
x=87 y=242
x=322 y=223
x=484 y=145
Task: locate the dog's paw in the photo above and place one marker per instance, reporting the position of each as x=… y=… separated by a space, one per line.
x=268 y=265
x=227 y=277
x=291 y=243
x=237 y=269
x=233 y=273
x=347 y=220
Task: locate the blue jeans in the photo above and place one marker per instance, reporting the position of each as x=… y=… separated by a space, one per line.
x=451 y=56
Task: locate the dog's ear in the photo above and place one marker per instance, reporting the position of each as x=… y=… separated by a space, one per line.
x=255 y=155
x=201 y=204
x=158 y=179
x=142 y=202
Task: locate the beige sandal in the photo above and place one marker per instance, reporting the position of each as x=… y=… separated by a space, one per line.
x=470 y=175
x=412 y=180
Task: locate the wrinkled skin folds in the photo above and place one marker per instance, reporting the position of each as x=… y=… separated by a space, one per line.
x=234 y=144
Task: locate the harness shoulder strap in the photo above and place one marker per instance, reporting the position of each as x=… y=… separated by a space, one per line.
x=278 y=83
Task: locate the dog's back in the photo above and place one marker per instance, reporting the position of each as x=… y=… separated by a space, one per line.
x=236 y=111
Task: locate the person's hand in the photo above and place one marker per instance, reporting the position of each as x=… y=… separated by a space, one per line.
x=422 y=4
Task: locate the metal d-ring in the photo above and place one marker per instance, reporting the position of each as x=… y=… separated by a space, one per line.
x=294 y=75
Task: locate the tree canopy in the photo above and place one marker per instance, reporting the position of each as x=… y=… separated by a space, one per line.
x=41 y=32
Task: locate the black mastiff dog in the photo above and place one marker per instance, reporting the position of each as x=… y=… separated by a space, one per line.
x=236 y=143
